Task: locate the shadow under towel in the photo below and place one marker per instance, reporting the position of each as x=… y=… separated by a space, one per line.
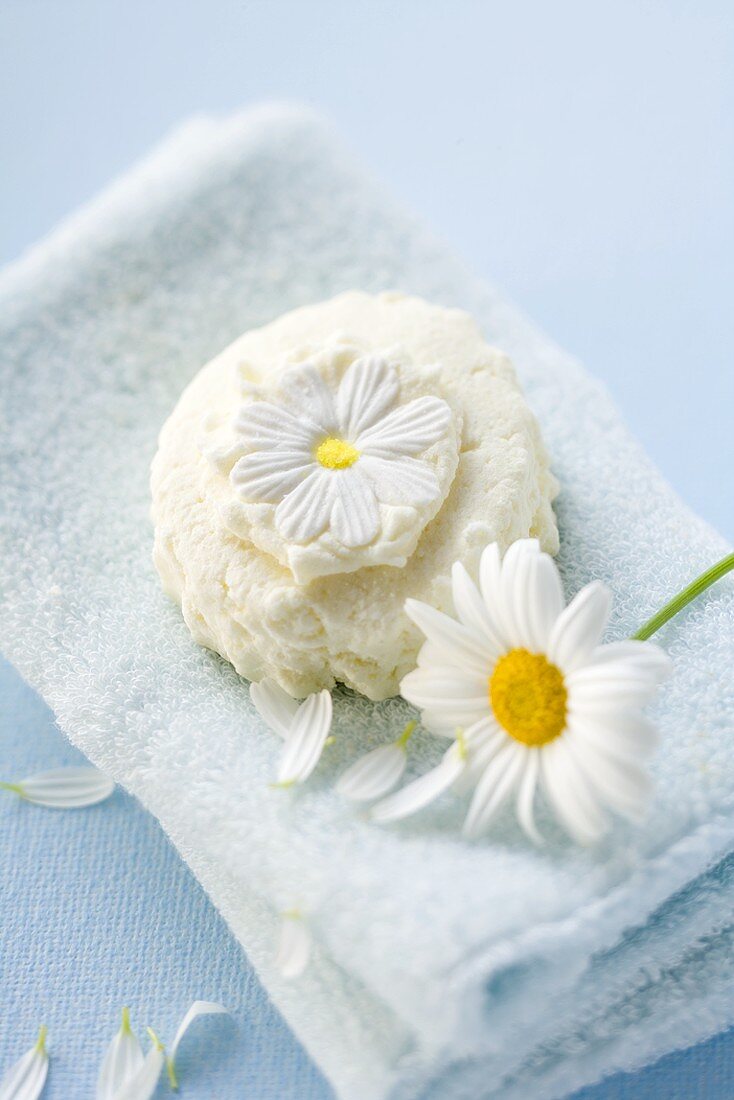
x=442 y=969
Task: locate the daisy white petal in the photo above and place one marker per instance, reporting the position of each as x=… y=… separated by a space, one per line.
x=490 y=586
x=513 y=607
x=122 y=1061
x=368 y=389
x=461 y=644
x=274 y=705
x=197 y=1009
x=569 y=796
x=578 y=629
x=494 y=788
x=355 y=519
x=472 y=610
x=483 y=741
x=407 y=430
x=421 y=792
x=526 y=796
x=544 y=600
x=599 y=695
x=294 y=945
x=400 y=480
x=374 y=774
x=25 y=1080
x=268 y=476
x=144 y=1081
x=624 y=734
x=426 y=688
x=309 y=397
x=306 y=738
x=64 y=788
x=643 y=655
x=304 y=512
x=267 y=427
x=622 y=785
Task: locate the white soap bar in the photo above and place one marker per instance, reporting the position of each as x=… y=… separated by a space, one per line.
x=329 y=465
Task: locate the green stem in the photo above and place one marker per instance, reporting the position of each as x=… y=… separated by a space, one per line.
x=695 y=588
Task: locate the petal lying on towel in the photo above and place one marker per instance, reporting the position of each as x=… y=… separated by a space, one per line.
x=64 y=788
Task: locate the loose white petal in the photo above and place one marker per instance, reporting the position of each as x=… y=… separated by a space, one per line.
x=25 y=1080
x=198 y=1008
x=568 y=793
x=294 y=946
x=494 y=788
x=578 y=629
x=304 y=513
x=400 y=480
x=367 y=391
x=122 y=1061
x=309 y=397
x=374 y=774
x=267 y=427
x=268 y=476
x=472 y=610
x=306 y=739
x=526 y=796
x=355 y=518
x=421 y=792
x=407 y=430
x=459 y=643
x=144 y=1082
x=274 y=705
x=64 y=788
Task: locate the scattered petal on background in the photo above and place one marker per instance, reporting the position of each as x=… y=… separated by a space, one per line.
x=424 y=790
x=306 y=738
x=64 y=788
x=25 y=1080
x=294 y=945
x=274 y=705
x=374 y=774
x=144 y=1082
x=122 y=1060
x=198 y=1008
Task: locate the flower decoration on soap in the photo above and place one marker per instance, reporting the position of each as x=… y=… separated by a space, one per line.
x=532 y=699
x=327 y=460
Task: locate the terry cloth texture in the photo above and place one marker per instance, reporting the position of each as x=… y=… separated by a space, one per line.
x=443 y=969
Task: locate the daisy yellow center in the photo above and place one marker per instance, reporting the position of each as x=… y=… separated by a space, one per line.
x=336 y=454
x=528 y=697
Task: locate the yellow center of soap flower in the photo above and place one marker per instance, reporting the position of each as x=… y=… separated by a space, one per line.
x=528 y=697
x=336 y=454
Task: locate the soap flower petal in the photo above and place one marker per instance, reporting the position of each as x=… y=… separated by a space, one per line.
x=328 y=461
x=543 y=702
x=25 y=1080
x=64 y=788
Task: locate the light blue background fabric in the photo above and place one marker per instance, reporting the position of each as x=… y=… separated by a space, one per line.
x=583 y=160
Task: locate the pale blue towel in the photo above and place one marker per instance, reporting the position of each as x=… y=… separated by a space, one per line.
x=443 y=970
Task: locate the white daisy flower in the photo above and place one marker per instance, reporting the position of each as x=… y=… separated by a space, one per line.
x=304 y=727
x=541 y=701
x=328 y=460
